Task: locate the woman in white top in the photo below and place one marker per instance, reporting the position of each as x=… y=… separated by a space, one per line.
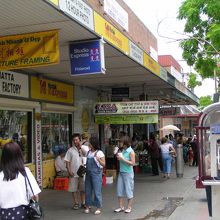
x=13 y=193
x=93 y=183
x=166 y=147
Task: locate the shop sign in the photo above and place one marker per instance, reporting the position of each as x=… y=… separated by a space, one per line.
x=110 y=33
x=151 y=64
x=55 y=2
x=38 y=147
x=116 y=12
x=215 y=129
x=14 y=84
x=169 y=111
x=136 y=53
x=163 y=73
x=44 y=89
x=126 y=119
x=128 y=108
x=79 y=11
x=87 y=57
x=29 y=50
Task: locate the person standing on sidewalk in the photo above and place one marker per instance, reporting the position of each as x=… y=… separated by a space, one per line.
x=74 y=158
x=93 y=183
x=125 y=184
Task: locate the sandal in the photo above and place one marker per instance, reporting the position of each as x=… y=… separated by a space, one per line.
x=128 y=210
x=76 y=206
x=119 y=210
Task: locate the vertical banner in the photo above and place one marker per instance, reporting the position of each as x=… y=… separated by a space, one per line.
x=87 y=57
x=38 y=147
x=29 y=50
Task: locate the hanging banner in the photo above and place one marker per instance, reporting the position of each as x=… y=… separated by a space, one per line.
x=130 y=108
x=110 y=33
x=14 y=84
x=29 y=50
x=126 y=119
x=152 y=65
x=79 y=11
x=87 y=57
x=44 y=89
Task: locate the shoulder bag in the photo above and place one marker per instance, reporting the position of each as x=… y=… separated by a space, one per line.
x=34 y=208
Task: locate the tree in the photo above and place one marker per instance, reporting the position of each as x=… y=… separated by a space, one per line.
x=201 y=49
x=204 y=101
x=193 y=81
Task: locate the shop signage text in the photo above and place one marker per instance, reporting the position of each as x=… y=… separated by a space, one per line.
x=110 y=33
x=87 y=57
x=128 y=108
x=126 y=119
x=29 y=50
x=43 y=89
x=79 y=11
x=151 y=64
x=136 y=53
x=14 y=84
x=115 y=11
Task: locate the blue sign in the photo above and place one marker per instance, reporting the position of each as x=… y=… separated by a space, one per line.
x=87 y=57
x=215 y=129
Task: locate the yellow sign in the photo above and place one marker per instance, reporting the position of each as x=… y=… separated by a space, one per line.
x=126 y=119
x=55 y=2
x=152 y=65
x=29 y=50
x=110 y=33
x=44 y=89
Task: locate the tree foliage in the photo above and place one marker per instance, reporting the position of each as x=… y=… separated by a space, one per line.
x=205 y=101
x=202 y=47
x=193 y=81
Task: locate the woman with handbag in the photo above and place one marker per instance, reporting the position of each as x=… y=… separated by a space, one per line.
x=16 y=184
x=93 y=183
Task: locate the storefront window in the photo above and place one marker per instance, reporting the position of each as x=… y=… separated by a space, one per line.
x=14 y=125
x=55 y=133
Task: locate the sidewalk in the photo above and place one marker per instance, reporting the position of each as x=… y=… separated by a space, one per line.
x=155 y=198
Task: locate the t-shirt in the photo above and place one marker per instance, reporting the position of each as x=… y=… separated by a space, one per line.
x=124 y=167
x=165 y=147
x=13 y=193
x=95 y=154
x=60 y=164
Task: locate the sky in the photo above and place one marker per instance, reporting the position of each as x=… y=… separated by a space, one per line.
x=153 y=12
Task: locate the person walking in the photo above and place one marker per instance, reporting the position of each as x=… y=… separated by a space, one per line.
x=93 y=183
x=166 y=148
x=74 y=158
x=14 y=192
x=125 y=183
x=155 y=156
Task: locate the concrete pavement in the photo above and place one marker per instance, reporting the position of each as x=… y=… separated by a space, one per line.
x=155 y=198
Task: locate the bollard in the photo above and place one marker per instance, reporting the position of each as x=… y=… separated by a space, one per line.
x=179 y=160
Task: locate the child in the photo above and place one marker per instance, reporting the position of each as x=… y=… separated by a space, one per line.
x=190 y=156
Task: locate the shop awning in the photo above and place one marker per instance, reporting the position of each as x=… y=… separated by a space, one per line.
x=25 y=16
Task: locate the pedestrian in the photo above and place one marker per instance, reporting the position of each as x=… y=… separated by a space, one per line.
x=93 y=183
x=155 y=155
x=85 y=139
x=195 y=151
x=60 y=164
x=74 y=158
x=190 y=156
x=13 y=181
x=125 y=184
x=166 y=148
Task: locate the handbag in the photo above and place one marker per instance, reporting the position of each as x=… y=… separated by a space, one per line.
x=34 y=208
x=172 y=152
x=81 y=171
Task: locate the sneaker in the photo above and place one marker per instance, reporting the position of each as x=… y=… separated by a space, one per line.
x=128 y=210
x=97 y=212
x=119 y=209
x=86 y=211
x=76 y=206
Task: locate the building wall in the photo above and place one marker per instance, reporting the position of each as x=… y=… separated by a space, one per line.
x=137 y=31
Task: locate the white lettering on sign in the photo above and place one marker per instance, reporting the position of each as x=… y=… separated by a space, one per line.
x=78 y=10
x=14 y=84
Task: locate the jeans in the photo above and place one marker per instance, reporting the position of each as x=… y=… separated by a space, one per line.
x=167 y=161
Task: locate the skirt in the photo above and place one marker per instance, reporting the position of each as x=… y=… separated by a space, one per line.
x=17 y=213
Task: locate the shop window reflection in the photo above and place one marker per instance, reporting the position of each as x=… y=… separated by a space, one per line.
x=55 y=133
x=13 y=126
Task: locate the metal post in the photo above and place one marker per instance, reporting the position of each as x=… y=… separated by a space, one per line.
x=179 y=160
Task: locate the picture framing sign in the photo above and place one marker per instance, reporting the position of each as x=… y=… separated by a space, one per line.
x=126 y=108
x=87 y=57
